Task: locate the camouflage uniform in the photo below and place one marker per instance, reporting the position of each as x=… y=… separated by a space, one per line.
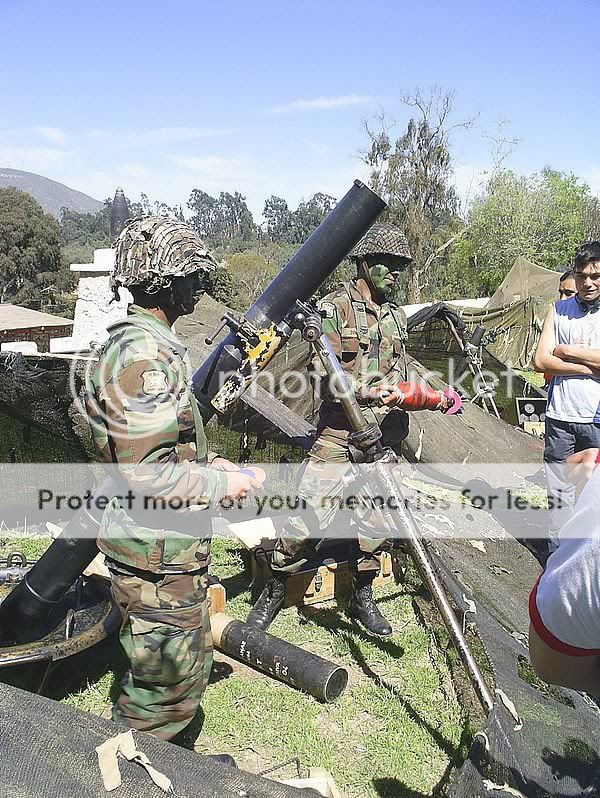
x=144 y=416
x=369 y=340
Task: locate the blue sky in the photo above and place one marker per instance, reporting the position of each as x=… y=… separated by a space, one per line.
x=270 y=98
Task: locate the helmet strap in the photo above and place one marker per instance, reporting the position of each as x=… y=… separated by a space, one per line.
x=362 y=273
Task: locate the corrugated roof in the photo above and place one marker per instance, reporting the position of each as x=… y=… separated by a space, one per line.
x=14 y=317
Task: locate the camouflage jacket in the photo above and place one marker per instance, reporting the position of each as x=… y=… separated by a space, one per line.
x=369 y=340
x=145 y=418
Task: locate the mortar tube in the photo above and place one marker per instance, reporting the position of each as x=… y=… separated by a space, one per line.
x=25 y=610
x=279 y=659
x=299 y=279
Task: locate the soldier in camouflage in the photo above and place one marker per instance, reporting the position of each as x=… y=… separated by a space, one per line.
x=144 y=418
x=368 y=333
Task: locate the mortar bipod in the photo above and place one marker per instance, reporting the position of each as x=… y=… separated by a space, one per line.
x=381 y=482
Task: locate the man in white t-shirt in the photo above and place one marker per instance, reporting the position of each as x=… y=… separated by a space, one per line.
x=569 y=349
x=564 y=605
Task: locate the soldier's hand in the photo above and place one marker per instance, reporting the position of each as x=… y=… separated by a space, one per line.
x=580 y=467
x=389 y=395
x=240 y=484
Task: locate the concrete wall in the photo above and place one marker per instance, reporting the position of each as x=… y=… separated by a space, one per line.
x=95 y=309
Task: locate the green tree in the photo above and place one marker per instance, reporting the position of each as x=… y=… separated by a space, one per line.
x=309 y=215
x=204 y=209
x=413 y=174
x=222 y=286
x=29 y=248
x=279 y=219
x=86 y=229
x=456 y=276
x=591 y=219
x=235 y=219
x=540 y=217
x=250 y=273
x=80 y=235
x=223 y=221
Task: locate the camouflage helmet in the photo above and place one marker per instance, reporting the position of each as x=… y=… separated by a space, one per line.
x=152 y=250
x=382 y=238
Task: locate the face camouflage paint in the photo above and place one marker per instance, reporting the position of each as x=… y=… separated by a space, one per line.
x=383 y=279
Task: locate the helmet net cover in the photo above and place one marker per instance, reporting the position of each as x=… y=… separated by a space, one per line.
x=383 y=238
x=152 y=250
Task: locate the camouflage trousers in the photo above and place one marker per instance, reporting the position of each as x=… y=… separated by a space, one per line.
x=165 y=632
x=323 y=489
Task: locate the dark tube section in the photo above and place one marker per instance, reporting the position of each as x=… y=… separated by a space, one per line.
x=316 y=259
x=275 y=657
x=477 y=336
x=23 y=614
x=25 y=610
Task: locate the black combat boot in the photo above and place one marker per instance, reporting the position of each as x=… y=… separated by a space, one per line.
x=268 y=604
x=362 y=607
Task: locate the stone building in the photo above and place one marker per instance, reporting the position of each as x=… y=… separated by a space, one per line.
x=26 y=330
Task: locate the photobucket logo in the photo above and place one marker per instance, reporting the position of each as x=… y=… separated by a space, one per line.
x=126 y=396
x=294 y=384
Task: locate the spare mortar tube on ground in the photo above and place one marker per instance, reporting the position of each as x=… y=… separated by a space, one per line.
x=275 y=657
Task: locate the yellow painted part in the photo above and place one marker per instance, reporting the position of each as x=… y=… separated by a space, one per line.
x=256 y=359
x=268 y=343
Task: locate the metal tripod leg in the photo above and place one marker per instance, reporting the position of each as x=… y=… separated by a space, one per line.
x=476 y=372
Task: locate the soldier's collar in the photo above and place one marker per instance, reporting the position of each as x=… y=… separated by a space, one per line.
x=356 y=296
x=140 y=317
x=138 y=312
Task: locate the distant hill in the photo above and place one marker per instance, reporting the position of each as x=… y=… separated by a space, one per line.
x=51 y=195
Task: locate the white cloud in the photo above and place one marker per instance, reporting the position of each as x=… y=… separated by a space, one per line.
x=212 y=164
x=136 y=171
x=316 y=147
x=214 y=171
x=321 y=104
x=32 y=159
x=158 y=135
x=53 y=134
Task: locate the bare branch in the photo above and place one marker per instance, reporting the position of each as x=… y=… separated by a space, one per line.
x=501 y=146
x=440 y=250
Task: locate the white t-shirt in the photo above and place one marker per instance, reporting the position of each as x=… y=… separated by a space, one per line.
x=564 y=605
x=574 y=398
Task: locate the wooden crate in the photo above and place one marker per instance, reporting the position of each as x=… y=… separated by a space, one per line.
x=313 y=585
x=217 y=597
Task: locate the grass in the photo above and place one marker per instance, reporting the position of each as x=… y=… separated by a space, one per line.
x=534 y=495
x=399 y=720
x=30 y=547
x=396 y=731
x=534 y=377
